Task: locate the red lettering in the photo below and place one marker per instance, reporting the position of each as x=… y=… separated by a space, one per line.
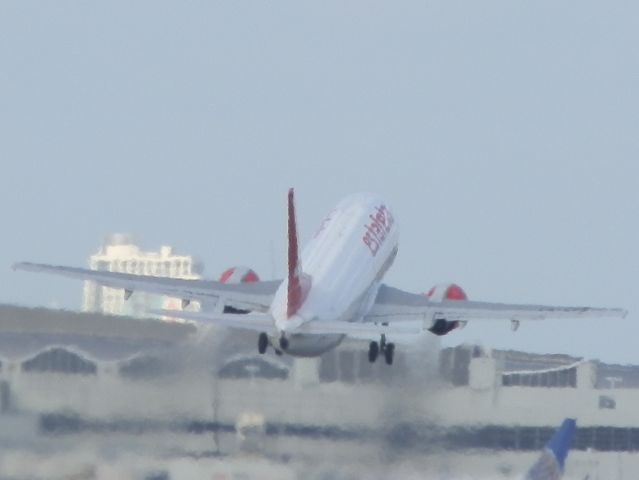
x=376 y=231
x=378 y=228
x=371 y=243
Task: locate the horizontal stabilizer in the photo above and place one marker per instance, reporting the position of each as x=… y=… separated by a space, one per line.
x=264 y=323
x=358 y=329
x=252 y=321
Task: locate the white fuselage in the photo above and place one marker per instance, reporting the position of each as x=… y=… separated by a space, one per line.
x=345 y=260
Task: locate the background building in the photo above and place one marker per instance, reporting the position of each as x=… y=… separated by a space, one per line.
x=120 y=254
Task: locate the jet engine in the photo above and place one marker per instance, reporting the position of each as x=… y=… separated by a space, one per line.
x=238 y=275
x=445 y=292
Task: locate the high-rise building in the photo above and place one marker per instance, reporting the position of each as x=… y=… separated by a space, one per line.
x=120 y=254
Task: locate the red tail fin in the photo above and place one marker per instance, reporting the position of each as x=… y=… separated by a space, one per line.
x=297 y=286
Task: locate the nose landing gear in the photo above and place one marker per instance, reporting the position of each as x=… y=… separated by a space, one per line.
x=388 y=349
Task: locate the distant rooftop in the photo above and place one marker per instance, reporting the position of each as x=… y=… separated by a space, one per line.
x=454 y=364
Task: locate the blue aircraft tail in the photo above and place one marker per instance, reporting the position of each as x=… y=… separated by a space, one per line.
x=550 y=465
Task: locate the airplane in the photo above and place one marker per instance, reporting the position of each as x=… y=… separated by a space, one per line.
x=550 y=465
x=333 y=290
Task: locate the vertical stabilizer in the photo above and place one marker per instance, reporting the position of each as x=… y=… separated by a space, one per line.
x=298 y=284
x=550 y=465
x=559 y=444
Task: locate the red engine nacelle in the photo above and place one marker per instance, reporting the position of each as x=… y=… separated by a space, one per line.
x=440 y=293
x=238 y=275
x=446 y=291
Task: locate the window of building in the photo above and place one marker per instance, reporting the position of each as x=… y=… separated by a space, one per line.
x=555 y=378
x=607 y=402
x=59 y=360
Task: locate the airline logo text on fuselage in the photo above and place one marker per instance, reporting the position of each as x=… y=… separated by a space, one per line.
x=377 y=230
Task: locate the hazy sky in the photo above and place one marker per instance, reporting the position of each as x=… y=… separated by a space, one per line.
x=504 y=134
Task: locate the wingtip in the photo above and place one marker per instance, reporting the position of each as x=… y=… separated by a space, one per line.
x=25 y=266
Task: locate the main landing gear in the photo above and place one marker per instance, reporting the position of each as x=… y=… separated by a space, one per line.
x=387 y=349
x=283 y=342
x=262 y=344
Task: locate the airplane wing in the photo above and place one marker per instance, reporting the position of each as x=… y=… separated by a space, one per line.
x=400 y=314
x=395 y=311
x=392 y=304
x=256 y=296
x=358 y=329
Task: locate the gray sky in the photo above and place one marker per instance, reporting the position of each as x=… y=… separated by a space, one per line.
x=504 y=134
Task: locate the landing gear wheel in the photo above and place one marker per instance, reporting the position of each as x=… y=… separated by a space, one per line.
x=373 y=351
x=283 y=342
x=262 y=343
x=388 y=353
